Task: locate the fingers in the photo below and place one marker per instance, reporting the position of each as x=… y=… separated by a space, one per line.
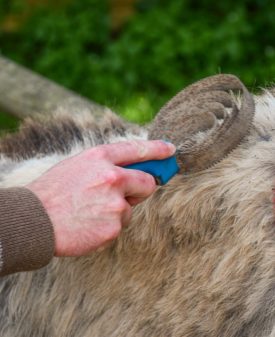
x=137 y=184
x=134 y=201
x=126 y=216
x=118 y=215
x=124 y=153
x=128 y=183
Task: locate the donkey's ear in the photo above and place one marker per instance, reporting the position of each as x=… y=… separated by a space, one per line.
x=204 y=121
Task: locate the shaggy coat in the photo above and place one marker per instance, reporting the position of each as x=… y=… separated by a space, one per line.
x=197 y=259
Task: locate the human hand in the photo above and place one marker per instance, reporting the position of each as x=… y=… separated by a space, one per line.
x=88 y=197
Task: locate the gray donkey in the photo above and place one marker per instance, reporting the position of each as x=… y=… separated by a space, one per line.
x=197 y=259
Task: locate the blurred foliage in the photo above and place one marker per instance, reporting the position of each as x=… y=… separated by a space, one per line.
x=8 y=123
x=161 y=48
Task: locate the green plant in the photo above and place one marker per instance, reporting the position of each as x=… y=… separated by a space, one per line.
x=7 y=123
x=164 y=47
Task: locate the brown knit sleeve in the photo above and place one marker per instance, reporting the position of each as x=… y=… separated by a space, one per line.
x=26 y=232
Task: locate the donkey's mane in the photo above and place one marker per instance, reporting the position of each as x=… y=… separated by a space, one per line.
x=40 y=138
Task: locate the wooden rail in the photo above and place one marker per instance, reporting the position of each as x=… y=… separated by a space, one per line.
x=24 y=93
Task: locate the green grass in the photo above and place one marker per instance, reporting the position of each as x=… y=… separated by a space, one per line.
x=8 y=123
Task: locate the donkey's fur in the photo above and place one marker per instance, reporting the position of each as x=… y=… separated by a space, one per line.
x=197 y=260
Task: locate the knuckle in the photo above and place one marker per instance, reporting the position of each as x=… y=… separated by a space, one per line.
x=127 y=216
x=149 y=182
x=99 y=152
x=113 y=177
x=138 y=147
x=102 y=152
x=114 y=231
x=142 y=150
x=119 y=206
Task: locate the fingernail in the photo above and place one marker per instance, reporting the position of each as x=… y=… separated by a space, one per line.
x=170 y=145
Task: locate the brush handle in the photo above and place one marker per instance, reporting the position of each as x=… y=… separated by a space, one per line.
x=162 y=170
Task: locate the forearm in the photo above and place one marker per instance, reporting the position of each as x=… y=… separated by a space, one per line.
x=26 y=232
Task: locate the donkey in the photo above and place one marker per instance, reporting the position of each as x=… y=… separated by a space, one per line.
x=197 y=259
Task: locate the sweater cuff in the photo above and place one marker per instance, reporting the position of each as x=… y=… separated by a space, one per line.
x=26 y=232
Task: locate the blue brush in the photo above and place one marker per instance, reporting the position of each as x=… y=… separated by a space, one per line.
x=162 y=170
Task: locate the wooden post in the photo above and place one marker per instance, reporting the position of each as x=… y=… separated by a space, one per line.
x=24 y=93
